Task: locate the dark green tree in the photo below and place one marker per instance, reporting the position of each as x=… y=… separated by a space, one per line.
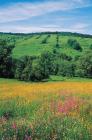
x=66 y=68
x=6 y=61
x=74 y=44
x=84 y=65
x=27 y=71
x=21 y=64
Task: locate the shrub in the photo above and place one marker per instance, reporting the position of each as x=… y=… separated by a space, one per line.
x=66 y=68
x=84 y=65
x=44 y=41
x=74 y=44
x=6 y=61
x=33 y=69
x=21 y=64
x=90 y=46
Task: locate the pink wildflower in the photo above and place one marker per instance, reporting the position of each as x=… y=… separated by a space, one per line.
x=67 y=106
x=14 y=126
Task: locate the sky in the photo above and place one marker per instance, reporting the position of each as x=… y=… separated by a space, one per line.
x=26 y=16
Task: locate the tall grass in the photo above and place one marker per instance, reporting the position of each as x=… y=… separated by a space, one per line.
x=50 y=111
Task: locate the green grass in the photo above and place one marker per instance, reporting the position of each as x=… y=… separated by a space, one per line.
x=52 y=78
x=55 y=78
x=31 y=45
x=6 y=80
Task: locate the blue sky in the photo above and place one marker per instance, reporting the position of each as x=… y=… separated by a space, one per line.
x=46 y=15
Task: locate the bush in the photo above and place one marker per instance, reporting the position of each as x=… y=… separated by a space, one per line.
x=44 y=41
x=84 y=65
x=90 y=46
x=74 y=44
x=57 y=45
x=66 y=68
x=33 y=69
x=21 y=64
x=38 y=72
x=6 y=61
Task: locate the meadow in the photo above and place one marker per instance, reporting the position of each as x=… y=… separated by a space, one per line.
x=45 y=86
x=32 y=44
x=45 y=111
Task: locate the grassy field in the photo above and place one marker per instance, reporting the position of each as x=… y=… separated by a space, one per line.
x=32 y=44
x=59 y=108
x=45 y=111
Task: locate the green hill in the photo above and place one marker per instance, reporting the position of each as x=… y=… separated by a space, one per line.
x=35 y=44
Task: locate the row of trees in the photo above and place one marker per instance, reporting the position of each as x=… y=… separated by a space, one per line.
x=45 y=40
x=33 y=69
x=39 y=68
x=57 y=42
x=50 y=63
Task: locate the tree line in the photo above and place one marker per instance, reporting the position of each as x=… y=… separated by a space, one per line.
x=33 y=68
x=42 y=33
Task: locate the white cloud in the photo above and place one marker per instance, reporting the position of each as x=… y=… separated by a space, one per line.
x=23 y=11
x=78 y=27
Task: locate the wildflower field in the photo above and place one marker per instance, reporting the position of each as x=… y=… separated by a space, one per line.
x=45 y=111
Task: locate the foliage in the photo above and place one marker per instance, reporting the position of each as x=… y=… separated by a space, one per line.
x=33 y=69
x=66 y=68
x=53 y=61
x=84 y=65
x=74 y=44
x=90 y=47
x=6 y=60
x=44 y=41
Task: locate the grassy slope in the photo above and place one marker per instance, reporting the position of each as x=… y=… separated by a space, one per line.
x=31 y=45
x=84 y=42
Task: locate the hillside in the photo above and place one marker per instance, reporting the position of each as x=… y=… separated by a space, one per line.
x=45 y=86
x=35 y=44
